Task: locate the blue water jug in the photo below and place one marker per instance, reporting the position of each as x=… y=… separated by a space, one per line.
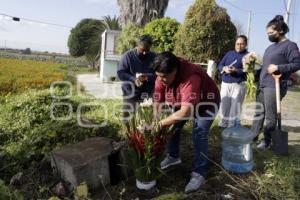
x=237 y=153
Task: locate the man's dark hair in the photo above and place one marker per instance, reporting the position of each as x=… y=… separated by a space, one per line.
x=243 y=37
x=146 y=40
x=278 y=24
x=165 y=63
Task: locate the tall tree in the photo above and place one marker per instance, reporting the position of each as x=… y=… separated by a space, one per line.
x=207 y=32
x=85 y=39
x=141 y=11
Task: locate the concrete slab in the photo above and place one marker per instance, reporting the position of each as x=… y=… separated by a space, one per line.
x=100 y=90
x=86 y=161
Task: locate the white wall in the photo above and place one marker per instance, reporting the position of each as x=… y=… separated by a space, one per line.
x=109 y=58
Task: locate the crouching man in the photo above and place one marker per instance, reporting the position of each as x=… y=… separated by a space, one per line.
x=192 y=95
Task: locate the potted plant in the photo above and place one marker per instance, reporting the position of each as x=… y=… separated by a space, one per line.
x=146 y=143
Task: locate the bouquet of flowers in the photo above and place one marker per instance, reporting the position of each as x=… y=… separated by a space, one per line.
x=146 y=143
x=250 y=64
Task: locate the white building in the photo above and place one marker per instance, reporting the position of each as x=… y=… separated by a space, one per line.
x=109 y=58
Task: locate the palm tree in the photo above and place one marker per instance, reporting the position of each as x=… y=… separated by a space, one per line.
x=111 y=23
x=141 y=11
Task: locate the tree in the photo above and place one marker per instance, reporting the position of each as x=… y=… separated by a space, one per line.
x=141 y=11
x=27 y=51
x=111 y=23
x=207 y=32
x=163 y=33
x=129 y=37
x=85 y=39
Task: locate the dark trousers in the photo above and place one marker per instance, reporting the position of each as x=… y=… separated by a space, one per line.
x=201 y=126
x=266 y=110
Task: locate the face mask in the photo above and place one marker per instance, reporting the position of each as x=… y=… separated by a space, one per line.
x=273 y=38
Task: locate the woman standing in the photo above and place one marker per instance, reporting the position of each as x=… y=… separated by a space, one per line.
x=233 y=88
x=281 y=57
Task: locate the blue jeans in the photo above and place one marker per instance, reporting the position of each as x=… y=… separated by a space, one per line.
x=200 y=131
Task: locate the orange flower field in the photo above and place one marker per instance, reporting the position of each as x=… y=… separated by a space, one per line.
x=18 y=75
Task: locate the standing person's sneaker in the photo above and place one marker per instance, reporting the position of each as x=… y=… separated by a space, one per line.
x=168 y=161
x=196 y=181
x=262 y=145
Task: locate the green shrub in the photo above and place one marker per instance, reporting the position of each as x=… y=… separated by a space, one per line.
x=207 y=32
x=163 y=33
x=129 y=37
x=28 y=132
x=7 y=194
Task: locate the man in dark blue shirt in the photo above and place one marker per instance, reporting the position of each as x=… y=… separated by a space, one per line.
x=137 y=75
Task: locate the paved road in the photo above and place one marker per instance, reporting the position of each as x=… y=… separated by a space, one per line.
x=98 y=89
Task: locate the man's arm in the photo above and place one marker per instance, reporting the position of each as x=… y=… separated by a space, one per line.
x=123 y=72
x=189 y=93
x=179 y=115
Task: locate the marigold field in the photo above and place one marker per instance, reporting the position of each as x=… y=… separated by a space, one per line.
x=19 y=75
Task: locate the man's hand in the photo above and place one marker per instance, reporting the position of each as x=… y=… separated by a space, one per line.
x=272 y=68
x=228 y=70
x=143 y=78
x=138 y=83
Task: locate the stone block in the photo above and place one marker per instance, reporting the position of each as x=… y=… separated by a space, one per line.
x=86 y=161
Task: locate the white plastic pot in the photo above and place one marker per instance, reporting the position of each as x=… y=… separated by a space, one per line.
x=145 y=185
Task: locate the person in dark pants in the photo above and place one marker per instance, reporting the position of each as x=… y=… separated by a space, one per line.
x=193 y=95
x=137 y=75
x=281 y=57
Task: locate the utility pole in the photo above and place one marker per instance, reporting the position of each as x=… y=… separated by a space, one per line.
x=249 y=26
x=288 y=11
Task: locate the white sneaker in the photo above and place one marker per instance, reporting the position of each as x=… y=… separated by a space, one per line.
x=196 y=181
x=222 y=124
x=262 y=145
x=169 y=161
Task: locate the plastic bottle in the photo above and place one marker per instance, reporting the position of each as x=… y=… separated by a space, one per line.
x=237 y=153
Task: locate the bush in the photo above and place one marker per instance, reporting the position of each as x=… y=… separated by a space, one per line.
x=7 y=193
x=129 y=37
x=207 y=32
x=28 y=133
x=163 y=33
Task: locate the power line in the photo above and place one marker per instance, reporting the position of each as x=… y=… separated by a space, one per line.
x=33 y=20
x=285 y=5
x=260 y=12
x=233 y=5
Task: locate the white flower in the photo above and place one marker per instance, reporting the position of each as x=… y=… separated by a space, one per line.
x=140 y=128
x=147 y=103
x=249 y=61
x=137 y=75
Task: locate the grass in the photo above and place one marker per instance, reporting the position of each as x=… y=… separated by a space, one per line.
x=28 y=134
x=272 y=178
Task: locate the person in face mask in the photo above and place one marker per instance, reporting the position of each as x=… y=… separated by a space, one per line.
x=281 y=57
x=137 y=75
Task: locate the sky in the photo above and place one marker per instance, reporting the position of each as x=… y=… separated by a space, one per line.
x=50 y=38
